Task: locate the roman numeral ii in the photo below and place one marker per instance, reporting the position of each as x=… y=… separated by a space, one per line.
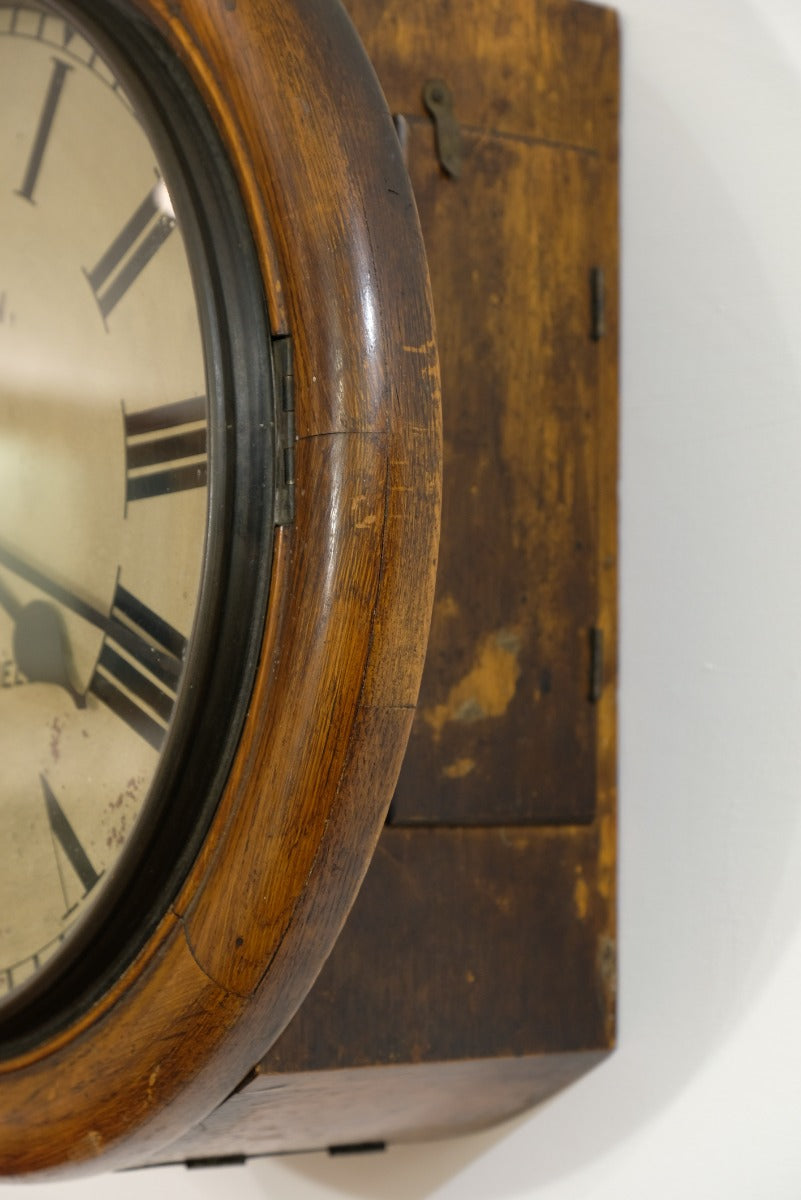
x=132 y=249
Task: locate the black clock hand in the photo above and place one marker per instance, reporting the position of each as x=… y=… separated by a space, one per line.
x=40 y=644
x=9 y=602
x=42 y=650
x=56 y=591
x=41 y=647
x=147 y=638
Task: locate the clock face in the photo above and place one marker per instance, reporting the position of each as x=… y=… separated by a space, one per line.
x=103 y=479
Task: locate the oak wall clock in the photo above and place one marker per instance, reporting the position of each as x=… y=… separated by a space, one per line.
x=475 y=975
x=219 y=431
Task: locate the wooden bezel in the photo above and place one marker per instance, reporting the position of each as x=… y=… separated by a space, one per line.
x=312 y=146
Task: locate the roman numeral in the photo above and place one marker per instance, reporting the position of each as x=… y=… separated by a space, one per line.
x=139 y=667
x=25 y=967
x=166 y=449
x=44 y=27
x=64 y=836
x=132 y=249
x=57 y=78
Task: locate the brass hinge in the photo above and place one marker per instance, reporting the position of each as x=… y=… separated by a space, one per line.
x=284 y=391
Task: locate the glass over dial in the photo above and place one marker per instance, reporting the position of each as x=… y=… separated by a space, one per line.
x=103 y=479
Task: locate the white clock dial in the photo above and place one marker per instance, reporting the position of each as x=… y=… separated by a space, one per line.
x=103 y=478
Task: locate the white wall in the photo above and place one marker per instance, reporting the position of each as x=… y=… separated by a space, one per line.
x=703 y=1098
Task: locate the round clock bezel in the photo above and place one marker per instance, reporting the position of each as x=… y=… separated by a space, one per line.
x=306 y=130
x=224 y=645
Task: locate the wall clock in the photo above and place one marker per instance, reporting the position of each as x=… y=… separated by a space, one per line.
x=475 y=975
x=219 y=424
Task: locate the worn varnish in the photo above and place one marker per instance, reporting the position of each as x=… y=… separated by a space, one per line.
x=476 y=973
x=505 y=730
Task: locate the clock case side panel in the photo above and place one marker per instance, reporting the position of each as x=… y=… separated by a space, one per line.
x=352 y=588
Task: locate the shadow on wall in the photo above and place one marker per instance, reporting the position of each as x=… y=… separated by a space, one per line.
x=711 y=591
x=399 y=1173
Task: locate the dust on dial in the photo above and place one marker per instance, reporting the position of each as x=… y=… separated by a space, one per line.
x=103 y=479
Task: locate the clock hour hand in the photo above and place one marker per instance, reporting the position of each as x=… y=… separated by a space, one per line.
x=9 y=602
x=42 y=650
x=144 y=637
x=44 y=583
x=40 y=643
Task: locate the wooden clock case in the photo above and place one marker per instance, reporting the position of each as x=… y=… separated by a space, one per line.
x=475 y=974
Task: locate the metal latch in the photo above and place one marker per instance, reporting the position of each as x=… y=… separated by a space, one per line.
x=439 y=104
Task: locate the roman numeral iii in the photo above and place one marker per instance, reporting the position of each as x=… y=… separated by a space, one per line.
x=139 y=667
x=166 y=449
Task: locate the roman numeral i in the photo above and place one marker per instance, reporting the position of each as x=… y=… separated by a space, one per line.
x=46 y=119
